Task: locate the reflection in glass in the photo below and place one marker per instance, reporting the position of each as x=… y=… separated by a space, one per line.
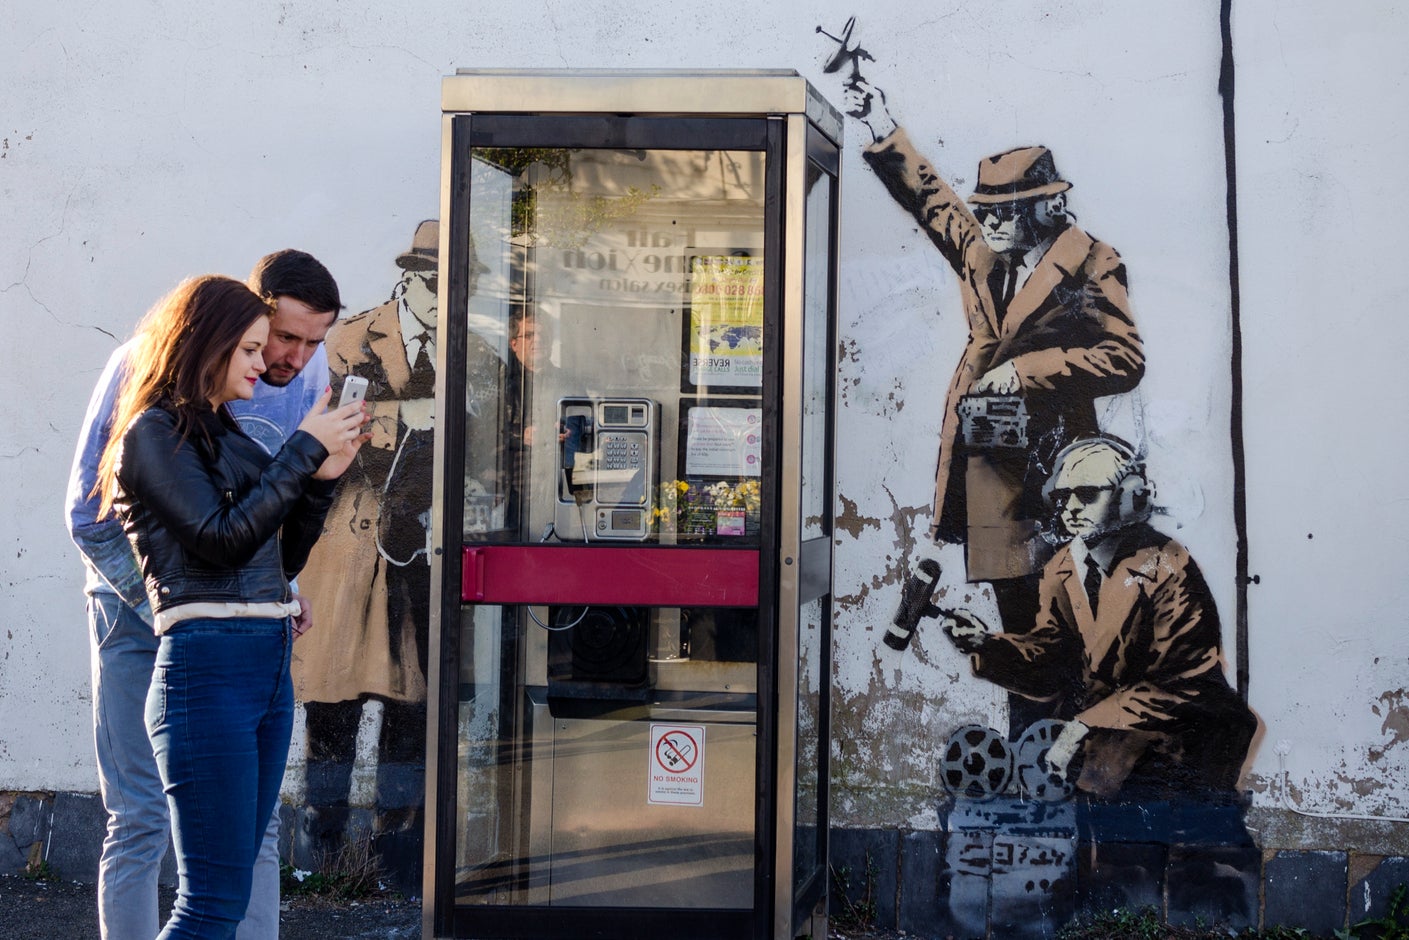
x=809 y=729
x=815 y=516
x=613 y=396
x=615 y=367
x=816 y=300
x=562 y=776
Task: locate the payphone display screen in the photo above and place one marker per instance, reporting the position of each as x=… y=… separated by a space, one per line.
x=618 y=308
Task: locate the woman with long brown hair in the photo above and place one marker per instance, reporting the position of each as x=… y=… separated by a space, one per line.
x=219 y=527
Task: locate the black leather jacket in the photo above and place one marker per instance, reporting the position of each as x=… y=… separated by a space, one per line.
x=205 y=518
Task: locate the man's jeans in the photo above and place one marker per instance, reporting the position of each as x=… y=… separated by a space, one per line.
x=124 y=650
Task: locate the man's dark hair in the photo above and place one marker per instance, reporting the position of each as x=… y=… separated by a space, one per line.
x=296 y=274
x=518 y=313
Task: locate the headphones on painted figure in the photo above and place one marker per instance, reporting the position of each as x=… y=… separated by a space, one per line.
x=1129 y=479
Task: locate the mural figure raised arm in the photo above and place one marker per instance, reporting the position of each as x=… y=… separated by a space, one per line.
x=1050 y=330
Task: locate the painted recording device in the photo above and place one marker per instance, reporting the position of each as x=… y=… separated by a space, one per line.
x=914 y=604
x=993 y=422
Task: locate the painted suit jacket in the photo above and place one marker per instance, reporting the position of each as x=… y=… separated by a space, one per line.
x=349 y=651
x=1145 y=673
x=1068 y=331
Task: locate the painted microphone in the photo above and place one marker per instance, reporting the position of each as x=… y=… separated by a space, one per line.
x=914 y=605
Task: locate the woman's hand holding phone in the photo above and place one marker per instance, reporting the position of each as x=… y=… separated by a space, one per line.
x=338 y=430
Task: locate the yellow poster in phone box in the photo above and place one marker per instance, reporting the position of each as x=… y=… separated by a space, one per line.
x=726 y=321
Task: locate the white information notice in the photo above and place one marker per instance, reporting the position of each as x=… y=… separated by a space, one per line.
x=723 y=442
x=675 y=768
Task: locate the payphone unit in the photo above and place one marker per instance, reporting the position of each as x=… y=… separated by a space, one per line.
x=631 y=633
x=607 y=469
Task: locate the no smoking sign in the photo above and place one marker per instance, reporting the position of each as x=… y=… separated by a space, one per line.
x=675 y=775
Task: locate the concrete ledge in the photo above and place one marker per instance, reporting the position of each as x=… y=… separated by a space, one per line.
x=1284 y=829
x=23 y=829
x=1370 y=895
x=75 y=835
x=857 y=853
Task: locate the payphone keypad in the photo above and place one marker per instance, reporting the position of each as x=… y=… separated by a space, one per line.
x=623 y=451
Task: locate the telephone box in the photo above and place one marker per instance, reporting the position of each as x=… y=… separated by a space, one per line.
x=631 y=617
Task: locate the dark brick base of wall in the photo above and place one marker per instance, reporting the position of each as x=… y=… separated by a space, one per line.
x=1001 y=870
x=1027 y=881
x=66 y=830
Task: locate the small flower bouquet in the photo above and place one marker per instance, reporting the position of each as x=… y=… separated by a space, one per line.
x=728 y=509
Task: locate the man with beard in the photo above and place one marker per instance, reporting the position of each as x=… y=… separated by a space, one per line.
x=124 y=646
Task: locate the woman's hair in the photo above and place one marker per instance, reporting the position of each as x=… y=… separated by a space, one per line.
x=179 y=357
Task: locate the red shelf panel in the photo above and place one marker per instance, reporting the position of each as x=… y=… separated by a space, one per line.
x=639 y=576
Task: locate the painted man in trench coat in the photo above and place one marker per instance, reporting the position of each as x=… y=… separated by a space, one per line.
x=1049 y=322
x=1126 y=644
x=369 y=576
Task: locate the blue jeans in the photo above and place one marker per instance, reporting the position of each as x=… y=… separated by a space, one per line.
x=123 y=652
x=219 y=715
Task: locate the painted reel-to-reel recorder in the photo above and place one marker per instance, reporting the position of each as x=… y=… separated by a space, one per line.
x=980 y=764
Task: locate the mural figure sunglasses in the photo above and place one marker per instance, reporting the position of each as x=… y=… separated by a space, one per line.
x=1085 y=495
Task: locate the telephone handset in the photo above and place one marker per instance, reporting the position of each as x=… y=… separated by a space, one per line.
x=608 y=457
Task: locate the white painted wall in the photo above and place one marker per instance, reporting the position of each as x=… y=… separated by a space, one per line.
x=145 y=141
x=1321 y=137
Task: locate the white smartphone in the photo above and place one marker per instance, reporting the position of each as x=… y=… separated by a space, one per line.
x=354 y=388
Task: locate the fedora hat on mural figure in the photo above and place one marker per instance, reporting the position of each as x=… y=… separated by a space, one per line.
x=425 y=248
x=1022 y=173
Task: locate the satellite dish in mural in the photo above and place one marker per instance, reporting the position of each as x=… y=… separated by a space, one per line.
x=977 y=763
x=847 y=52
x=1035 y=779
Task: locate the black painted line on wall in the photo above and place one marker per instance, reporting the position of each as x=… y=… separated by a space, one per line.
x=1235 y=415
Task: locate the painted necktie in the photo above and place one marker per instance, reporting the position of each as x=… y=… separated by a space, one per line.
x=1092 y=582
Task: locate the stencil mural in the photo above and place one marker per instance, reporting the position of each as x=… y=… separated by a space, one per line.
x=369 y=580
x=1126 y=647
x=1107 y=636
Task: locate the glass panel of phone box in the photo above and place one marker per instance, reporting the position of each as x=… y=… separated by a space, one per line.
x=614 y=397
x=812 y=627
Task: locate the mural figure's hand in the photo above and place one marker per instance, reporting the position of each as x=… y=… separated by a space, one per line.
x=1063 y=749
x=417 y=414
x=1000 y=380
x=964 y=629
x=304 y=621
x=867 y=104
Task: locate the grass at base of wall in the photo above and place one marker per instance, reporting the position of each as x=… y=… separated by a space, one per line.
x=40 y=870
x=1146 y=925
x=352 y=873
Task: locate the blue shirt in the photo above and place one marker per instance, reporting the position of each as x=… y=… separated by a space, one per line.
x=274 y=413
x=269 y=417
